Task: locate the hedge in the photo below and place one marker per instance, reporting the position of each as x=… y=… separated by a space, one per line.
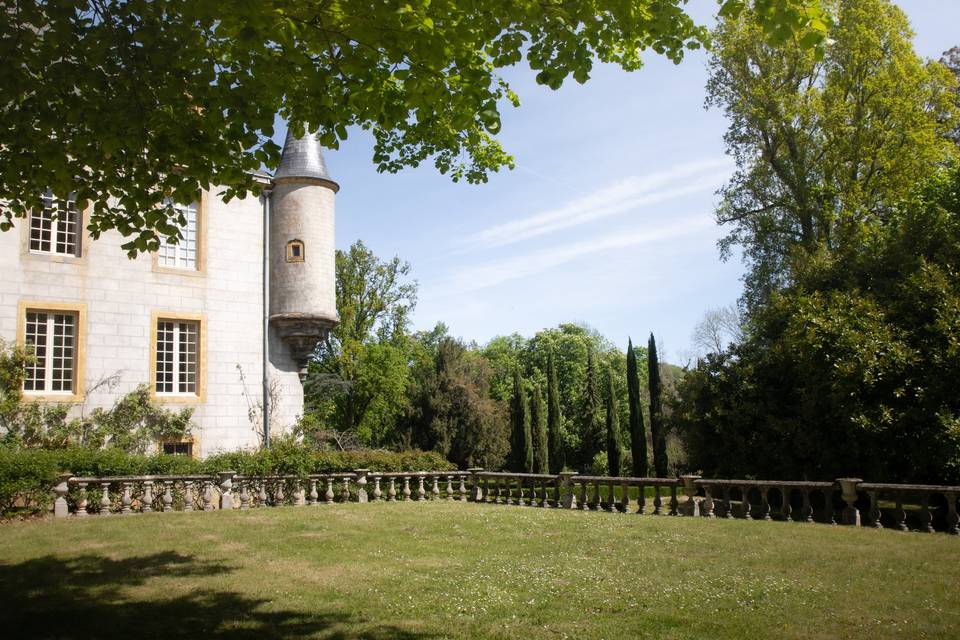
x=27 y=476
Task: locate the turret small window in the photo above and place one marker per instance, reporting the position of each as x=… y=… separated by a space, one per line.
x=295 y=251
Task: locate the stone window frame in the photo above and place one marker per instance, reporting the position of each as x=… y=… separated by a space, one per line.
x=200 y=395
x=83 y=239
x=292 y=246
x=79 y=311
x=191 y=442
x=202 y=209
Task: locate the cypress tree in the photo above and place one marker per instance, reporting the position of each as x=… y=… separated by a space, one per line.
x=613 y=428
x=519 y=425
x=556 y=457
x=656 y=410
x=589 y=413
x=638 y=434
x=538 y=425
x=527 y=437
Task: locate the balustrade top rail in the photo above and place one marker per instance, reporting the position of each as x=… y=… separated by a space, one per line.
x=925 y=506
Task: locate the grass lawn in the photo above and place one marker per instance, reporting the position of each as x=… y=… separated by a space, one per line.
x=451 y=570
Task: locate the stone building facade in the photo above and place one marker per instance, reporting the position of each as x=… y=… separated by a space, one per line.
x=188 y=319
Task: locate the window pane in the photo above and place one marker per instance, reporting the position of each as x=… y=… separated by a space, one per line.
x=182 y=255
x=35 y=337
x=165 y=354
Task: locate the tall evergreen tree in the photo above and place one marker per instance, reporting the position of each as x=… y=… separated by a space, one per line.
x=556 y=457
x=638 y=434
x=519 y=425
x=613 y=428
x=591 y=436
x=538 y=427
x=527 y=436
x=656 y=410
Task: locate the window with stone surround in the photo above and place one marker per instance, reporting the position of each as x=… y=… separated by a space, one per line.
x=52 y=338
x=177 y=448
x=182 y=255
x=177 y=357
x=55 y=229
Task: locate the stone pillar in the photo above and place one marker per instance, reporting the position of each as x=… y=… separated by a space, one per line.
x=848 y=489
x=476 y=492
x=226 y=489
x=362 y=484
x=60 y=507
x=690 y=506
x=568 y=498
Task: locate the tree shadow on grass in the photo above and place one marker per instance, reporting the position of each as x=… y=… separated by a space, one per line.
x=93 y=596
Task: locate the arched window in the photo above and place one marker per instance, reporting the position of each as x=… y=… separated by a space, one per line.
x=295 y=251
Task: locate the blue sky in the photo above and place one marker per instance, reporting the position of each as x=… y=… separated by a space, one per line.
x=607 y=219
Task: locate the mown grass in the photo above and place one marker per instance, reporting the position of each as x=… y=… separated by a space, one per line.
x=452 y=570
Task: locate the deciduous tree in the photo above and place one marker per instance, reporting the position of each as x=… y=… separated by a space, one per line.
x=127 y=104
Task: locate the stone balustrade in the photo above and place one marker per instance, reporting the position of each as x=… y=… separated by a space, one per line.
x=849 y=501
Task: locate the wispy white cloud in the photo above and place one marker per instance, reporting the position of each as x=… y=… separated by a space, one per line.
x=619 y=197
x=497 y=271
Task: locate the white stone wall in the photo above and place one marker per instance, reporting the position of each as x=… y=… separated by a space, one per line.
x=121 y=294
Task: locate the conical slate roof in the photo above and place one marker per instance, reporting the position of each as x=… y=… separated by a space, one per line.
x=303 y=158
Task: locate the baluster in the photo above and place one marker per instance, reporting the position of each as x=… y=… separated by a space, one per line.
x=875 y=514
x=82 y=500
x=745 y=503
x=226 y=489
x=279 y=494
x=498 y=499
x=406 y=488
x=345 y=493
x=313 y=495
x=611 y=498
x=105 y=498
x=449 y=487
x=596 y=496
x=728 y=502
x=126 y=499
x=953 y=519
x=558 y=492
x=244 y=494
x=765 y=503
x=520 y=497
x=421 y=492
x=435 y=490
x=584 y=505
x=485 y=490
x=377 y=494
x=188 y=495
x=657 y=501
x=806 y=513
x=207 y=495
x=900 y=514
x=624 y=497
x=463 y=489
x=392 y=490
x=786 y=509
x=674 y=503
x=828 y=511
x=642 y=499
x=926 y=518
x=262 y=493
x=167 y=496
x=545 y=495
x=707 y=505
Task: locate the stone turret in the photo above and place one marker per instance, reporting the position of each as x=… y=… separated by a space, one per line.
x=303 y=300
